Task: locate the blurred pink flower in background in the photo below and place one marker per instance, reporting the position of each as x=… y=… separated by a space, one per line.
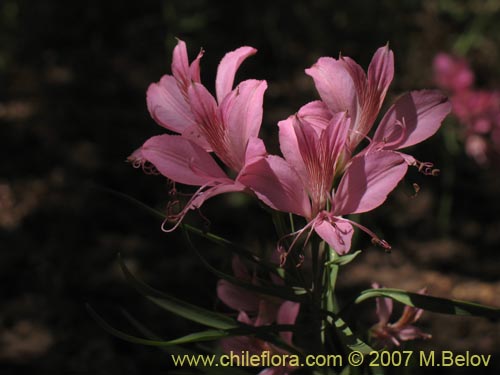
x=391 y=334
x=477 y=110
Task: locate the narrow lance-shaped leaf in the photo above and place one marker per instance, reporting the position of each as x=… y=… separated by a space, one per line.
x=433 y=304
x=179 y=307
x=343 y=260
x=346 y=334
x=208 y=335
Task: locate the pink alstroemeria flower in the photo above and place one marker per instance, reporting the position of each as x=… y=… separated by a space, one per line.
x=477 y=110
x=256 y=310
x=452 y=73
x=241 y=299
x=391 y=334
x=343 y=86
x=302 y=183
x=228 y=126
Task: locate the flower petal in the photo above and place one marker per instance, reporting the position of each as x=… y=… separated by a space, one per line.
x=367 y=182
x=227 y=70
x=287 y=314
x=316 y=114
x=241 y=113
x=412 y=333
x=237 y=298
x=277 y=185
x=226 y=186
x=338 y=235
x=182 y=160
x=413 y=118
x=334 y=84
x=180 y=64
x=381 y=71
x=255 y=150
x=384 y=309
x=289 y=146
x=168 y=106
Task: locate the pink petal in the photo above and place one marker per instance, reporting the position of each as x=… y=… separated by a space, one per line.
x=371 y=91
x=336 y=134
x=255 y=150
x=334 y=84
x=227 y=70
x=287 y=314
x=381 y=71
x=220 y=187
x=237 y=298
x=338 y=235
x=168 y=106
x=240 y=270
x=316 y=114
x=267 y=313
x=180 y=64
x=182 y=160
x=241 y=113
x=319 y=154
x=412 y=333
x=367 y=182
x=384 y=309
x=204 y=107
x=277 y=185
x=413 y=118
x=274 y=371
x=194 y=69
x=290 y=147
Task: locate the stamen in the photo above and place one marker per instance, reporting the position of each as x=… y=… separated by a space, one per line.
x=180 y=216
x=376 y=240
x=285 y=252
x=426 y=168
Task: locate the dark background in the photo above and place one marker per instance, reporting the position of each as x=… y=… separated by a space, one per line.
x=73 y=77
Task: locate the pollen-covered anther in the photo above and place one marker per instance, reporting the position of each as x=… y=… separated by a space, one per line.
x=382 y=243
x=416 y=189
x=427 y=168
x=139 y=162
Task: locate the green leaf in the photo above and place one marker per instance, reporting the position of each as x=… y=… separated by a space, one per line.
x=346 y=334
x=343 y=260
x=177 y=306
x=429 y=303
x=208 y=335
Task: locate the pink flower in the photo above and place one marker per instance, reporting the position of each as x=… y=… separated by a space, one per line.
x=452 y=73
x=302 y=183
x=477 y=110
x=256 y=310
x=228 y=126
x=343 y=86
x=391 y=334
x=413 y=118
x=241 y=299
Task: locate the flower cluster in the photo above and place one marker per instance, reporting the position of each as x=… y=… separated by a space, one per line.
x=330 y=166
x=477 y=110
